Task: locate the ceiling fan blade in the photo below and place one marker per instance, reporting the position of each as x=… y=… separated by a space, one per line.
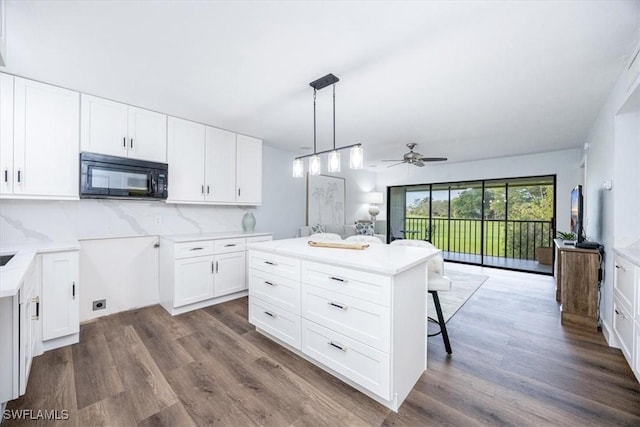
x=433 y=159
x=398 y=160
x=418 y=163
x=395 y=164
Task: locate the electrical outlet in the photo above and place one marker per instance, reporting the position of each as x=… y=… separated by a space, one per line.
x=100 y=304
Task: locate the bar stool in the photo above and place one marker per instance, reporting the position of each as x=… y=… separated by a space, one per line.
x=436 y=282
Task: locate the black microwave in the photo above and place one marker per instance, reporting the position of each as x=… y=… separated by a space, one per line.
x=103 y=176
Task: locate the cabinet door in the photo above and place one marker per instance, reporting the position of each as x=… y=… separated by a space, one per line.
x=103 y=126
x=147 y=135
x=220 y=165
x=45 y=140
x=194 y=280
x=186 y=160
x=6 y=134
x=60 y=295
x=230 y=272
x=29 y=311
x=249 y=170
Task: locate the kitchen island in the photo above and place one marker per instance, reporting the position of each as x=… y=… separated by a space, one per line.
x=358 y=314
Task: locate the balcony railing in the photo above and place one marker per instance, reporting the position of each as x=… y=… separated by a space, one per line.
x=507 y=239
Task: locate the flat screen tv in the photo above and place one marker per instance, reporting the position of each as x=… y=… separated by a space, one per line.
x=577 y=213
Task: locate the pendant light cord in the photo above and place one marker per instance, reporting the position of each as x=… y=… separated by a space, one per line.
x=314 y=120
x=334 y=117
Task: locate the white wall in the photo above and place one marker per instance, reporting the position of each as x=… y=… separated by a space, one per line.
x=612 y=215
x=283 y=208
x=564 y=164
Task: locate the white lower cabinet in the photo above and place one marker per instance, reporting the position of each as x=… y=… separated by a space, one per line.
x=626 y=309
x=343 y=319
x=43 y=315
x=203 y=271
x=60 y=295
x=29 y=323
x=195 y=276
x=359 y=362
x=229 y=273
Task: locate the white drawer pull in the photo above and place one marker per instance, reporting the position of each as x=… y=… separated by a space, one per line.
x=338 y=346
x=270 y=314
x=271 y=263
x=196 y=249
x=340 y=306
x=270 y=283
x=621 y=267
x=619 y=313
x=338 y=279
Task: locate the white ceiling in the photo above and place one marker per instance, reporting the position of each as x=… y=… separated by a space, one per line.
x=466 y=80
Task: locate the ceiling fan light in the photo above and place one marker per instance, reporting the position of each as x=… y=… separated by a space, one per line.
x=298 y=168
x=356 y=157
x=334 y=162
x=314 y=165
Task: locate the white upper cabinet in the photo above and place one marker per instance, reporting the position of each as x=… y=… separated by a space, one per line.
x=109 y=127
x=220 y=165
x=211 y=165
x=248 y=170
x=186 y=154
x=38 y=139
x=6 y=134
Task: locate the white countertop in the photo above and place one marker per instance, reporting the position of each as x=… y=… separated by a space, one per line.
x=377 y=258
x=178 y=238
x=631 y=252
x=11 y=274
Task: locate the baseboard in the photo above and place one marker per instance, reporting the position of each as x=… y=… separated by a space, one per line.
x=609 y=336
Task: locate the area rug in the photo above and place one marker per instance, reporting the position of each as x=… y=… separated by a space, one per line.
x=463 y=286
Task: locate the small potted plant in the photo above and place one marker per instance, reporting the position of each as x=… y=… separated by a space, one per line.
x=566 y=235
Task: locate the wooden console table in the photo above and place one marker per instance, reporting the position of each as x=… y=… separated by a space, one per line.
x=577 y=284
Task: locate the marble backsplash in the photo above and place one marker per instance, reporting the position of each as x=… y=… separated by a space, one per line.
x=29 y=221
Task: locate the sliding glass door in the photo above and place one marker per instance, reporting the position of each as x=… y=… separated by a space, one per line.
x=506 y=223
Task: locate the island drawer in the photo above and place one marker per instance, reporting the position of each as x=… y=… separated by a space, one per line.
x=362 y=320
x=284 y=293
x=358 y=362
x=624 y=282
x=358 y=284
x=192 y=249
x=623 y=325
x=275 y=321
x=224 y=246
x=278 y=265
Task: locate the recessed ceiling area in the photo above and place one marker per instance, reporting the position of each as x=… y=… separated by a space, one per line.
x=464 y=80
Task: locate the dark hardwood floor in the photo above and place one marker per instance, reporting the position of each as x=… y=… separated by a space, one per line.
x=512 y=364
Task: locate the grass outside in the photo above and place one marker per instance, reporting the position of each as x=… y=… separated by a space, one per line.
x=463 y=235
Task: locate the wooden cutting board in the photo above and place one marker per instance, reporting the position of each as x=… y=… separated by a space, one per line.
x=357 y=246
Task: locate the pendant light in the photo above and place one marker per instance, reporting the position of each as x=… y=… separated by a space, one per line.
x=356 y=158
x=334 y=156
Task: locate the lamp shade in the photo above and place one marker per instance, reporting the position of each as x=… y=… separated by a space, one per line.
x=374 y=198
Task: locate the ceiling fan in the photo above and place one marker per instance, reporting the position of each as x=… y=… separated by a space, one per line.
x=415 y=158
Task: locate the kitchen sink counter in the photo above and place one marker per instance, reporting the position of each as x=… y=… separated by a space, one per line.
x=12 y=273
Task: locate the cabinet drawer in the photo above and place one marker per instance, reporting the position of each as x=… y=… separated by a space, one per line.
x=281 y=266
x=284 y=293
x=275 y=321
x=358 y=284
x=191 y=249
x=364 y=321
x=360 y=363
x=623 y=325
x=624 y=282
x=224 y=246
x=256 y=239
